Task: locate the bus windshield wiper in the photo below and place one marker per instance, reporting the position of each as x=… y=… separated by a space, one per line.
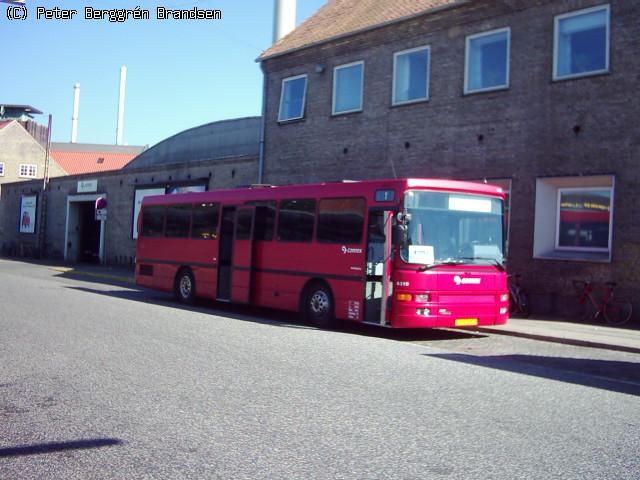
x=460 y=261
x=494 y=261
x=447 y=261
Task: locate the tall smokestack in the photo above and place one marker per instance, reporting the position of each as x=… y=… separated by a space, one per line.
x=74 y=117
x=123 y=84
x=284 y=18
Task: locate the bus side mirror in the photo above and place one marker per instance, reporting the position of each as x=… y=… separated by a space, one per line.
x=399 y=235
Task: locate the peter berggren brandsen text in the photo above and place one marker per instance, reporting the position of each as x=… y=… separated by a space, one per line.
x=121 y=15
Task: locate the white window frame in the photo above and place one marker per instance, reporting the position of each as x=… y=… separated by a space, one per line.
x=467 y=57
x=335 y=81
x=584 y=249
x=304 y=97
x=556 y=40
x=394 y=102
x=1 y=169
x=27 y=168
x=547 y=218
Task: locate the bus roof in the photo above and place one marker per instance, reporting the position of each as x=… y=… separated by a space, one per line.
x=363 y=188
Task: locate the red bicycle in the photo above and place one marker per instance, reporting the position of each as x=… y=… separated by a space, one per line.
x=615 y=310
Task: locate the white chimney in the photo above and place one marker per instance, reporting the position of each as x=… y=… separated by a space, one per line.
x=123 y=84
x=284 y=18
x=74 y=117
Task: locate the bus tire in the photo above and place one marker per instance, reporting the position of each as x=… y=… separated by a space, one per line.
x=317 y=305
x=184 y=286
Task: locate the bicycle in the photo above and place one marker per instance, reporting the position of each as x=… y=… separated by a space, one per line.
x=518 y=299
x=615 y=310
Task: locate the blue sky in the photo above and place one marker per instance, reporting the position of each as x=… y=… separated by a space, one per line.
x=180 y=74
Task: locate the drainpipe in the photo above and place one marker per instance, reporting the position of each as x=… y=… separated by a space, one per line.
x=263 y=126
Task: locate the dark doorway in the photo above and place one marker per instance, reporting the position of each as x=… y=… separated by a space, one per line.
x=89 y=250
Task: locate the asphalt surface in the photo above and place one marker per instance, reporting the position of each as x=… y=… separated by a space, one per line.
x=106 y=381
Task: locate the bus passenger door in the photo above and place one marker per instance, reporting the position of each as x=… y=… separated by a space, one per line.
x=225 y=253
x=378 y=266
x=241 y=266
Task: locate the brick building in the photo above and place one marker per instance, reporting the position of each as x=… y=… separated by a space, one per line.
x=537 y=96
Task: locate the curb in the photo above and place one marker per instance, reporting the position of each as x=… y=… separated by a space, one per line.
x=563 y=340
x=104 y=276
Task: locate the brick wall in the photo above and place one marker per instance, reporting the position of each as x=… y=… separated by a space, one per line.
x=535 y=128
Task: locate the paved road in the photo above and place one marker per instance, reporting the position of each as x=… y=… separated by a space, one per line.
x=100 y=381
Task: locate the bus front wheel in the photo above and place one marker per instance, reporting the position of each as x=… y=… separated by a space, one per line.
x=318 y=307
x=185 y=286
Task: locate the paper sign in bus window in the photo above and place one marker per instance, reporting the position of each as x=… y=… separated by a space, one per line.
x=423 y=254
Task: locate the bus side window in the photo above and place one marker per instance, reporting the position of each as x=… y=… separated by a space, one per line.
x=341 y=220
x=178 y=221
x=296 y=220
x=205 y=221
x=153 y=221
x=265 y=220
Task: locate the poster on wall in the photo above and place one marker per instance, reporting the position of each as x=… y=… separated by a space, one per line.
x=28 y=214
x=187 y=188
x=137 y=203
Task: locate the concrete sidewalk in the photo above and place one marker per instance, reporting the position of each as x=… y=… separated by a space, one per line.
x=625 y=339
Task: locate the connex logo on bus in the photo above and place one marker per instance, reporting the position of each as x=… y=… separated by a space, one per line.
x=351 y=250
x=466 y=281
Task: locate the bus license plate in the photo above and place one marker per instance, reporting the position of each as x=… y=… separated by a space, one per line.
x=466 y=322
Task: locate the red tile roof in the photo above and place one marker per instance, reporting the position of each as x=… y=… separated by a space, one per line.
x=76 y=163
x=338 y=18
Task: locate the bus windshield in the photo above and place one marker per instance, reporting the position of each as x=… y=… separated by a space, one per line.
x=447 y=228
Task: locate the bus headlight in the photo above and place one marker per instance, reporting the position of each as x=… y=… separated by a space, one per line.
x=503 y=310
x=423 y=297
x=504 y=297
x=423 y=312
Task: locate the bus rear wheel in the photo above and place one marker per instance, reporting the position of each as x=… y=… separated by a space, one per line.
x=184 y=287
x=318 y=307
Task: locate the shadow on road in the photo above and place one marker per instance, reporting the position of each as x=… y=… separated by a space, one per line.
x=615 y=376
x=53 y=447
x=278 y=318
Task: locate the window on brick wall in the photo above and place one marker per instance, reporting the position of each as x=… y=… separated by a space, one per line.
x=348 y=85
x=487 y=61
x=581 y=43
x=28 y=170
x=411 y=76
x=292 y=98
x=1 y=169
x=574 y=218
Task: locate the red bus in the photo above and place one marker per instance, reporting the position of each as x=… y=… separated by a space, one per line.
x=406 y=253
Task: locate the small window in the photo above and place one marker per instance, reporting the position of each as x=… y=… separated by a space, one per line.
x=265 y=220
x=205 y=221
x=487 y=61
x=296 y=220
x=574 y=218
x=178 y=221
x=584 y=219
x=244 y=222
x=341 y=220
x=348 y=83
x=292 y=98
x=153 y=221
x=1 y=169
x=28 y=170
x=411 y=76
x=581 y=43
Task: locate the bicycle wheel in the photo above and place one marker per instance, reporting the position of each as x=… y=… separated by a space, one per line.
x=617 y=311
x=523 y=304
